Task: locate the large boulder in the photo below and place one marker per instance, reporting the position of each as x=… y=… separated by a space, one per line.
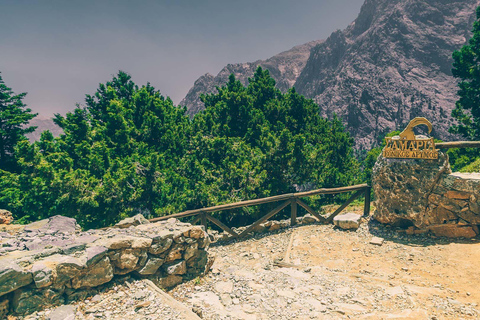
x=425 y=194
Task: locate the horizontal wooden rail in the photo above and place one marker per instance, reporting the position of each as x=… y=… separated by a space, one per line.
x=457 y=144
x=254 y=202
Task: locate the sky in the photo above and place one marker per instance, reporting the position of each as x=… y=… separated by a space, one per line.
x=58 y=51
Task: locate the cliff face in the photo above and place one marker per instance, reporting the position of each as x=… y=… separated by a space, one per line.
x=391 y=64
x=284 y=67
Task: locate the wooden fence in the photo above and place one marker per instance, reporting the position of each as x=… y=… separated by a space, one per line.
x=292 y=199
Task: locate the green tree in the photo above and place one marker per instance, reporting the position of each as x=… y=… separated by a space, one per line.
x=286 y=145
x=14 y=118
x=117 y=157
x=466 y=67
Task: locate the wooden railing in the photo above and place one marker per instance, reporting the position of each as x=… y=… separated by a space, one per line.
x=292 y=199
x=457 y=144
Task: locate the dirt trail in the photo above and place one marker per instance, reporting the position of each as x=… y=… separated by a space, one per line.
x=340 y=274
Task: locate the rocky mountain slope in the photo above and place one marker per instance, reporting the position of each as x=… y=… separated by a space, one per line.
x=284 y=67
x=43 y=124
x=391 y=64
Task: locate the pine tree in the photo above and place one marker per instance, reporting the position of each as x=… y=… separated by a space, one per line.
x=466 y=67
x=14 y=118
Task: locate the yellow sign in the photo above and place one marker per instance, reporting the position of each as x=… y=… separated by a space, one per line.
x=408 y=146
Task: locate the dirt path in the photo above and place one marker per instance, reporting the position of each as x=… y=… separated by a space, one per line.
x=339 y=274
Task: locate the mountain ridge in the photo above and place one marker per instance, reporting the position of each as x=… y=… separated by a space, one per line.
x=391 y=64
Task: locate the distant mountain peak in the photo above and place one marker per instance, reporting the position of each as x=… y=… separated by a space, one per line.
x=284 y=67
x=391 y=64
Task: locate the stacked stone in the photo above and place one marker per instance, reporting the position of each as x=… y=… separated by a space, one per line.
x=51 y=262
x=426 y=196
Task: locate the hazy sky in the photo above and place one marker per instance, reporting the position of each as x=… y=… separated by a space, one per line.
x=58 y=51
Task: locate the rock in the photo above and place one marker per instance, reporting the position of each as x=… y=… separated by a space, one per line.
x=95 y=275
x=12 y=277
x=125 y=261
x=60 y=224
x=452 y=194
x=95 y=253
x=68 y=263
x=132 y=221
x=349 y=220
x=376 y=241
x=6 y=217
x=176 y=268
x=160 y=246
x=196 y=232
x=308 y=219
x=401 y=187
x=169 y=281
x=66 y=312
x=424 y=194
x=26 y=300
x=224 y=287
x=4 y=306
x=453 y=231
x=42 y=274
x=66 y=267
x=151 y=266
x=175 y=253
x=124 y=241
x=190 y=251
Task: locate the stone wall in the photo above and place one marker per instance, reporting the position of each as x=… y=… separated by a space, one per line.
x=51 y=262
x=426 y=196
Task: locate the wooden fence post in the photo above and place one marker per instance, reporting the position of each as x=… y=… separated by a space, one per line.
x=293 y=218
x=203 y=217
x=366 y=209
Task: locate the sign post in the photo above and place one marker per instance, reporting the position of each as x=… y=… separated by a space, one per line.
x=408 y=146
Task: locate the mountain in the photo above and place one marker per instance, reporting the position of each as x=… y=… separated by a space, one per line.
x=43 y=124
x=393 y=63
x=284 y=67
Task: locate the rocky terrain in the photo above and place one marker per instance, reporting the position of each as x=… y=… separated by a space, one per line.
x=391 y=64
x=50 y=262
x=309 y=272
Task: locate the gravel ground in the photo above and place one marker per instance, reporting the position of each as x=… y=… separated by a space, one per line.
x=328 y=273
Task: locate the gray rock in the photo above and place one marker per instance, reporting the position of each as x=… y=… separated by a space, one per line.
x=65 y=312
x=349 y=220
x=176 y=268
x=60 y=224
x=151 y=266
x=12 y=277
x=26 y=300
x=94 y=254
x=42 y=274
x=132 y=221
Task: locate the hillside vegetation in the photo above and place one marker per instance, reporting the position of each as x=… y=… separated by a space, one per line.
x=130 y=150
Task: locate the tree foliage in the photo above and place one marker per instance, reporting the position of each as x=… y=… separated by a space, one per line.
x=466 y=67
x=14 y=118
x=130 y=150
